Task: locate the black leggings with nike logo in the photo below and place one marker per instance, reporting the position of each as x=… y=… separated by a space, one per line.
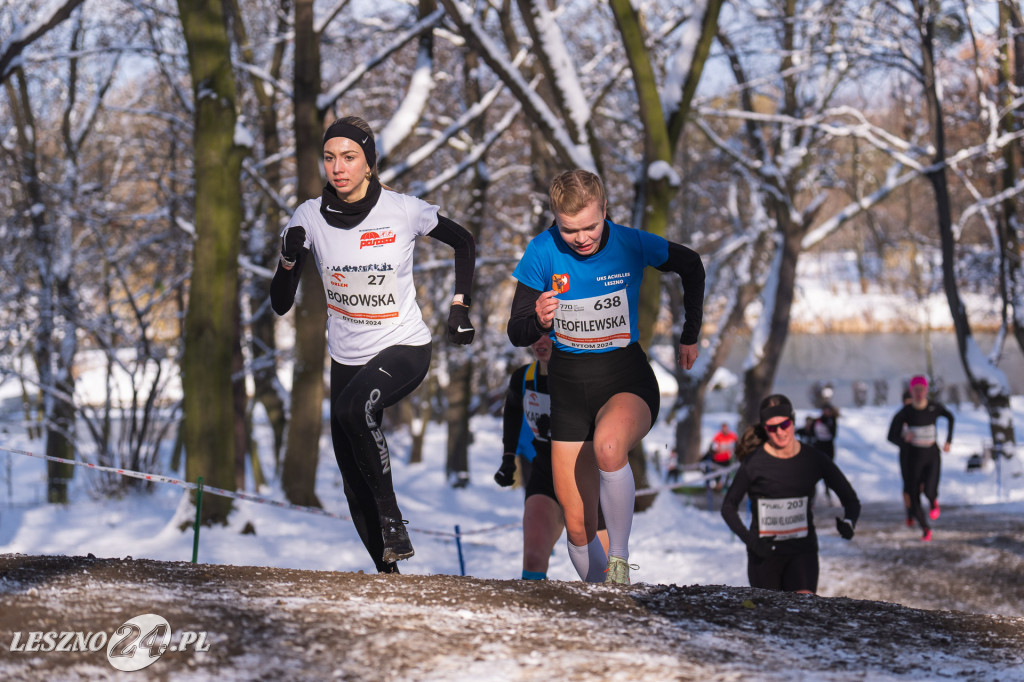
x=359 y=394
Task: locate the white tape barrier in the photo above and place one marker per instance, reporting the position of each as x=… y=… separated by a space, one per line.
x=703 y=480
x=248 y=497
x=259 y=499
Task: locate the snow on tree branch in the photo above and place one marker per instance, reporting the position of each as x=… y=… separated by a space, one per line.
x=24 y=35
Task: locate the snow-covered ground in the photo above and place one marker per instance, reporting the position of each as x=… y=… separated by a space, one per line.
x=675 y=542
x=691 y=619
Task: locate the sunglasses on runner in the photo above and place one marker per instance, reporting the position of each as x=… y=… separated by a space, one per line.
x=781 y=426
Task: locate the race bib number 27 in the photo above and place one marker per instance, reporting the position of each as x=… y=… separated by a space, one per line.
x=363 y=298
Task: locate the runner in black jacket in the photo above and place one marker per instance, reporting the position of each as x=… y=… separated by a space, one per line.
x=914 y=430
x=526 y=432
x=779 y=474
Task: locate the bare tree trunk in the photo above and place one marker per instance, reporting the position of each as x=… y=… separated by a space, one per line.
x=769 y=339
x=758 y=379
x=53 y=363
x=263 y=346
x=60 y=435
x=662 y=131
x=210 y=320
x=459 y=394
x=416 y=412
x=460 y=359
x=239 y=401
x=987 y=381
x=298 y=478
x=1011 y=248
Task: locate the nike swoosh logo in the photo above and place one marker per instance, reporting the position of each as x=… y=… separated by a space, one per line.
x=460 y=329
x=382 y=369
x=365 y=139
x=333 y=210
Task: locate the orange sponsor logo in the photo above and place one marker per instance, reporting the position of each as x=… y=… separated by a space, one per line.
x=377 y=238
x=338 y=280
x=560 y=283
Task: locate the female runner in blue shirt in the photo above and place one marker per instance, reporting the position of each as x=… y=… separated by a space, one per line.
x=579 y=282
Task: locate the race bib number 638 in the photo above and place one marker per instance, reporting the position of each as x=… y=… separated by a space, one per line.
x=594 y=323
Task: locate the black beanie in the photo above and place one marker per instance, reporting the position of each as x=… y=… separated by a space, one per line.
x=776 y=405
x=365 y=140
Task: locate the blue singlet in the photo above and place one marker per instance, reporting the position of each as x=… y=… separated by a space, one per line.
x=598 y=294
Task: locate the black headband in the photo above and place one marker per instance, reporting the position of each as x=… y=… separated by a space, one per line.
x=360 y=137
x=781 y=409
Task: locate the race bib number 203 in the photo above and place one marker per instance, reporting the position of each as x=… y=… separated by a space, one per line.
x=785 y=519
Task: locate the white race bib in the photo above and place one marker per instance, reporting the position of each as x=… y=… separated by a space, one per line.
x=922 y=436
x=594 y=323
x=786 y=519
x=366 y=297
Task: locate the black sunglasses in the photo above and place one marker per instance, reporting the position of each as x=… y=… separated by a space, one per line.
x=772 y=428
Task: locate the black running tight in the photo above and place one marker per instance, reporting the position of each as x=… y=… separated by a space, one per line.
x=924 y=465
x=359 y=394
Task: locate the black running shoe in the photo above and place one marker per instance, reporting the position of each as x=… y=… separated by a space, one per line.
x=397 y=545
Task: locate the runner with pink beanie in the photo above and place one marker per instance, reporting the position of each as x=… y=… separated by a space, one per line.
x=914 y=430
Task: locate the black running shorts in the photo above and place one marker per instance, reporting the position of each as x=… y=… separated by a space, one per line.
x=784 y=572
x=581 y=383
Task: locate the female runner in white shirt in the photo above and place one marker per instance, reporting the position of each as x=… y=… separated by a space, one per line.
x=361 y=235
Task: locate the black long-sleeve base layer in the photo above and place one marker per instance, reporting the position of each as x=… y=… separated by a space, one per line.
x=764 y=476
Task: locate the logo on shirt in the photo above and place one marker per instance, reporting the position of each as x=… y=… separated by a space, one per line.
x=375 y=239
x=338 y=280
x=560 y=283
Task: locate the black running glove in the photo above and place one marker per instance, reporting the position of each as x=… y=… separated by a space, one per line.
x=506 y=474
x=292 y=244
x=763 y=547
x=845 y=528
x=544 y=427
x=460 y=329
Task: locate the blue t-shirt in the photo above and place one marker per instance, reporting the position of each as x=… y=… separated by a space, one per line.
x=598 y=294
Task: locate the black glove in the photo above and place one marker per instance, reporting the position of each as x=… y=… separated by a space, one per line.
x=544 y=427
x=460 y=329
x=506 y=474
x=845 y=528
x=763 y=547
x=292 y=244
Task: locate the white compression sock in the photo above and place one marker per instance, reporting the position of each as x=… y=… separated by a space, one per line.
x=618 y=492
x=598 y=561
x=590 y=562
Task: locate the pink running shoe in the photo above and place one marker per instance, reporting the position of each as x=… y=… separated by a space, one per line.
x=927 y=537
x=934 y=512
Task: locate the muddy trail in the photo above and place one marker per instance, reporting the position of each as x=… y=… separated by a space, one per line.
x=892 y=607
x=974 y=563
